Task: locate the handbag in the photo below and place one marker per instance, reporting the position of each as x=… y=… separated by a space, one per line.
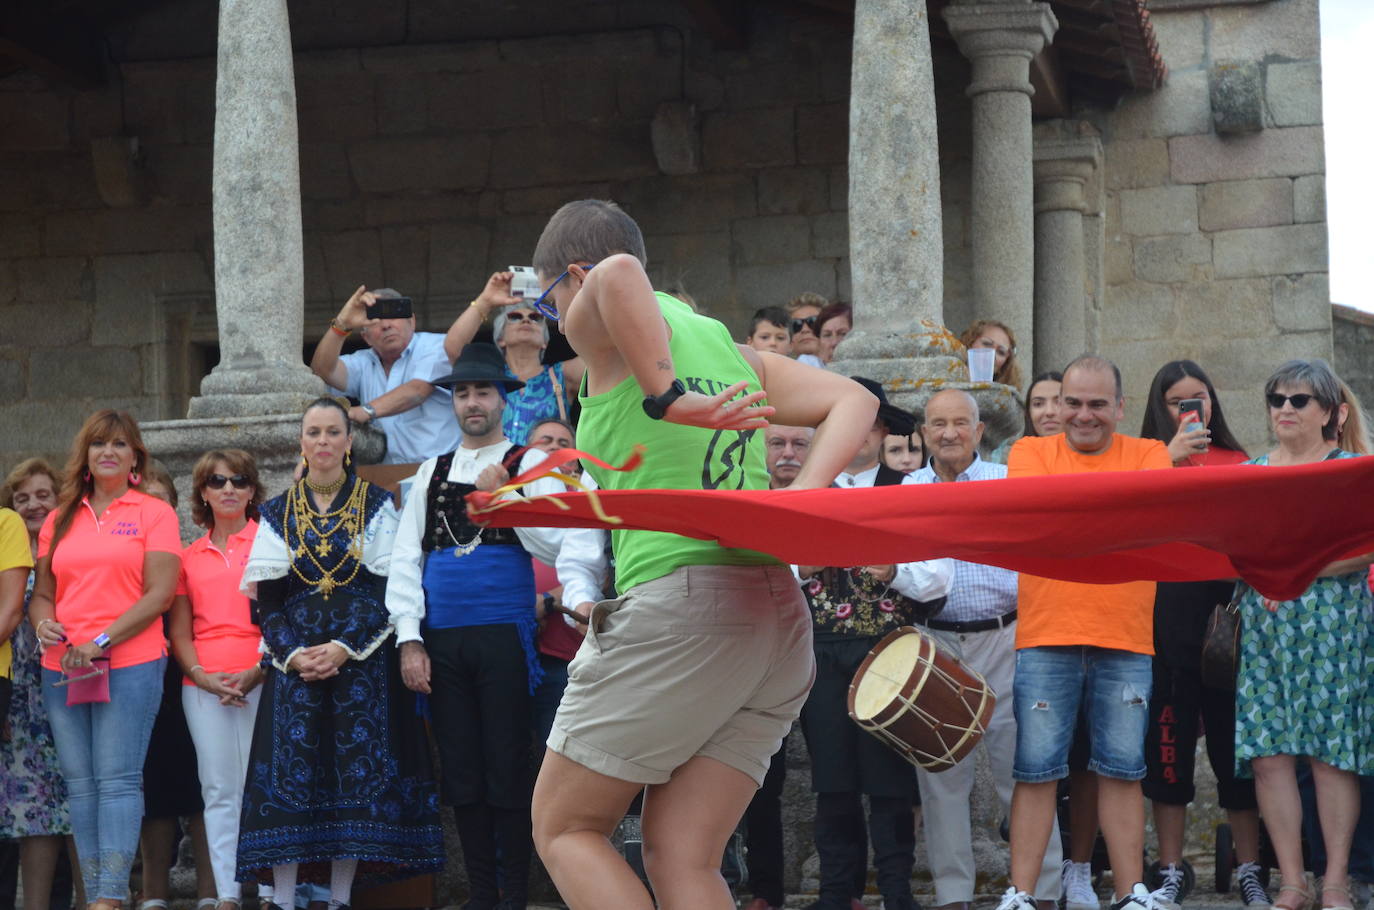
x=90 y=688
x=1221 y=644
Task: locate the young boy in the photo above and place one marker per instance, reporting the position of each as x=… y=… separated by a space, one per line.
x=768 y=331
x=689 y=681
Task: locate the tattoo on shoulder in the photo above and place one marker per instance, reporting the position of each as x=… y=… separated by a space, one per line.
x=665 y=364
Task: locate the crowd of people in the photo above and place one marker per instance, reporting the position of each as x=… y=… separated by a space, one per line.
x=304 y=652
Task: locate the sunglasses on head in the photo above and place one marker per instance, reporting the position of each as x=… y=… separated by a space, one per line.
x=217 y=481
x=524 y=316
x=1277 y=401
x=809 y=322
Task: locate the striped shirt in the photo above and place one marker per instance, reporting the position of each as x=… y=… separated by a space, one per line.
x=978 y=591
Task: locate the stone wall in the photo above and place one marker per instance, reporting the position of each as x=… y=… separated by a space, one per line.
x=1216 y=243
x=426 y=163
x=1352 y=336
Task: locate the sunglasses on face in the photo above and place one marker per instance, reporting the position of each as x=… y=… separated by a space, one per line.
x=1277 y=401
x=525 y=316
x=809 y=322
x=217 y=481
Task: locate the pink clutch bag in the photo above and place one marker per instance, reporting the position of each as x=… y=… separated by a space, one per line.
x=91 y=687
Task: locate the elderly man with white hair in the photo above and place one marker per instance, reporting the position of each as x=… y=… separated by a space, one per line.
x=979 y=617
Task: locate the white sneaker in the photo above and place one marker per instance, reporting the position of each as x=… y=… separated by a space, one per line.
x=1140 y=898
x=1251 y=888
x=1016 y=900
x=1170 y=892
x=1078 y=886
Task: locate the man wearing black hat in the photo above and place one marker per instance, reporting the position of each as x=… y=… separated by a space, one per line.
x=470 y=592
x=851 y=609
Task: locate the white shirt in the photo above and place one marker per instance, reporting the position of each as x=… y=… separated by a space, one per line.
x=405 y=594
x=924 y=580
x=426 y=431
x=582 y=562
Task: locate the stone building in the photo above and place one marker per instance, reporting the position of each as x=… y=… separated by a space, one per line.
x=1145 y=182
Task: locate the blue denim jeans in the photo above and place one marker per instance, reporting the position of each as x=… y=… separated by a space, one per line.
x=1051 y=683
x=101 y=748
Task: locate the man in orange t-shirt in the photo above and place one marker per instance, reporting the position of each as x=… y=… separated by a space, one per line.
x=1083 y=644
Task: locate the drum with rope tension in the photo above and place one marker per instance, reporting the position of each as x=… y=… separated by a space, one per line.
x=922 y=702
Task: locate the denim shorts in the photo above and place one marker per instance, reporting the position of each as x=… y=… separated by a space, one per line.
x=1052 y=682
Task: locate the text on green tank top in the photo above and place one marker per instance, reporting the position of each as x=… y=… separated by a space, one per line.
x=676 y=457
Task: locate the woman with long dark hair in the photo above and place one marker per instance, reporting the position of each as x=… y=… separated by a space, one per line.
x=338 y=775
x=1179 y=698
x=108 y=559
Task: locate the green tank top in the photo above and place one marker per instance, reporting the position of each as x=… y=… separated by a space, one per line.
x=676 y=457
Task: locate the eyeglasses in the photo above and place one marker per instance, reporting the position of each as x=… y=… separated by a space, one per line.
x=548 y=309
x=809 y=322
x=217 y=481
x=1277 y=401
x=524 y=316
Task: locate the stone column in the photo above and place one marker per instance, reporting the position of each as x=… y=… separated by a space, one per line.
x=1001 y=39
x=896 y=251
x=1064 y=170
x=259 y=263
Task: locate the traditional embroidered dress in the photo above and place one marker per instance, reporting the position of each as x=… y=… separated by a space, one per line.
x=339 y=768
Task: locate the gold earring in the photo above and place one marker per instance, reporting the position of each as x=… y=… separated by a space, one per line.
x=348 y=458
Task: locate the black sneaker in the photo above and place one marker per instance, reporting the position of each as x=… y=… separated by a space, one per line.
x=1140 y=898
x=1251 y=888
x=1169 y=894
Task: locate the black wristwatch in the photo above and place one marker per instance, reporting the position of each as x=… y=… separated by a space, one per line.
x=656 y=406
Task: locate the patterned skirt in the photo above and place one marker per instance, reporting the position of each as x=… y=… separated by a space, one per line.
x=33 y=795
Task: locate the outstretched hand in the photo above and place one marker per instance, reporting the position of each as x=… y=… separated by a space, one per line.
x=722 y=411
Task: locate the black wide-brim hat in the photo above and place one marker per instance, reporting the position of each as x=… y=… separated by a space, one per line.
x=899 y=422
x=479 y=363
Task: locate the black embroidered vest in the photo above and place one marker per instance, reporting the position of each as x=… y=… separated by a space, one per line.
x=446 y=512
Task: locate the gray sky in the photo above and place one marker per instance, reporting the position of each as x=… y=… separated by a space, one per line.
x=1347 y=37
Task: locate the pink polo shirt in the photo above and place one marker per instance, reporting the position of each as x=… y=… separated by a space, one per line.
x=221 y=625
x=98 y=566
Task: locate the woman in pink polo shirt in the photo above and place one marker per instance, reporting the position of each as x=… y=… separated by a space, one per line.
x=216 y=642
x=108 y=559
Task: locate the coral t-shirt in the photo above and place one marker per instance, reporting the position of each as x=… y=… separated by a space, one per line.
x=14 y=554
x=98 y=566
x=225 y=638
x=1052 y=612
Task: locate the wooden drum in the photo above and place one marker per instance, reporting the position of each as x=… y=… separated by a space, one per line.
x=920 y=701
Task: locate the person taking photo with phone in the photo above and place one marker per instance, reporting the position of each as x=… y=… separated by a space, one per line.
x=1182 y=411
x=391 y=377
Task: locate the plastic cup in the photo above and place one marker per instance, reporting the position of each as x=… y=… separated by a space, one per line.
x=980 y=364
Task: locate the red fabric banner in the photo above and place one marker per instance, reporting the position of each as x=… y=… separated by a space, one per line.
x=1274 y=526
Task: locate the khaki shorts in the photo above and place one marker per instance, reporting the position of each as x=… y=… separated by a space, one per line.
x=707 y=660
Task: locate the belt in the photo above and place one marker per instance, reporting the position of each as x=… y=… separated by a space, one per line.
x=976 y=625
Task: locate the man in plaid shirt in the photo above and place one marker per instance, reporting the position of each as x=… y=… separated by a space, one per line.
x=978 y=623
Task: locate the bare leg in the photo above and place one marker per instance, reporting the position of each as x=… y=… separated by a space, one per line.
x=37 y=860
x=1082 y=815
x=1170 y=824
x=1244 y=834
x=200 y=849
x=156 y=845
x=687 y=823
x=1338 y=808
x=575 y=811
x=1121 y=813
x=1276 y=786
x=1032 y=820
x=78 y=886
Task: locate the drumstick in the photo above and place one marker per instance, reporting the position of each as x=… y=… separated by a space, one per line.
x=568 y=611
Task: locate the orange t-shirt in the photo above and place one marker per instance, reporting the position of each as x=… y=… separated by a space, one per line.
x=225 y=637
x=98 y=566
x=1051 y=612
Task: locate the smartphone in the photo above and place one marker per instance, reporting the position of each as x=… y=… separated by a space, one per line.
x=1190 y=413
x=524 y=283
x=391 y=308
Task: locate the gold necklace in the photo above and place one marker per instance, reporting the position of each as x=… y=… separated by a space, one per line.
x=325 y=489
x=350 y=519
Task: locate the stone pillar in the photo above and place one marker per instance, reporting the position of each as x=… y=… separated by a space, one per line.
x=1001 y=39
x=1064 y=170
x=896 y=250
x=259 y=262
